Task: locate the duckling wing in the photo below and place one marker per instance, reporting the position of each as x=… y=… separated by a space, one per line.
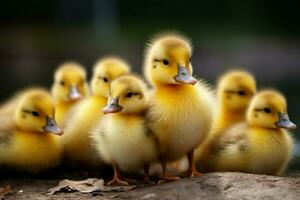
x=6 y=130
x=7 y=121
x=232 y=141
x=148 y=130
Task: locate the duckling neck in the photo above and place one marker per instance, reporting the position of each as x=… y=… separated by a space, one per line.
x=126 y=116
x=230 y=117
x=65 y=104
x=171 y=87
x=266 y=129
x=99 y=97
x=26 y=131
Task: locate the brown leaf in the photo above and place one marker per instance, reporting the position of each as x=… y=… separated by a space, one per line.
x=5 y=192
x=86 y=186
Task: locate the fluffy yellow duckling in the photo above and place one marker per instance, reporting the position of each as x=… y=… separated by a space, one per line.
x=123 y=138
x=181 y=109
x=262 y=145
x=28 y=139
x=69 y=86
x=235 y=91
x=85 y=115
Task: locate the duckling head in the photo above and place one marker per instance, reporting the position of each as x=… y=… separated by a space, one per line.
x=268 y=109
x=70 y=82
x=35 y=113
x=168 y=61
x=235 y=90
x=127 y=96
x=105 y=71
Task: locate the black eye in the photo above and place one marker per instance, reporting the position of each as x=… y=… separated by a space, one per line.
x=129 y=95
x=241 y=93
x=267 y=110
x=62 y=83
x=165 y=62
x=36 y=114
x=105 y=79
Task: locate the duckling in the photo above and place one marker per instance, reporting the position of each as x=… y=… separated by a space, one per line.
x=88 y=112
x=123 y=138
x=182 y=109
x=69 y=86
x=261 y=145
x=29 y=136
x=235 y=91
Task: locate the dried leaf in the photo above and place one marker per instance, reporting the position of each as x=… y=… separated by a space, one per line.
x=5 y=192
x=86 y=186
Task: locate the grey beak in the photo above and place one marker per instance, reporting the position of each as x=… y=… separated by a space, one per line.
x=184 y=76
x=74 y=94
x=112 y=106
x=284 y=122
x=51 y=127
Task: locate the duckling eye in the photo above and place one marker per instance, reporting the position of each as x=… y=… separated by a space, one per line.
x=267 y=110
x=165 y=62
x=241 y=93
x=62 y=83
x=129 y=95
x=103 y=78
x=36 y=114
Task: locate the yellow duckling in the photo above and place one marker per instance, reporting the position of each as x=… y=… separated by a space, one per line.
x=69 y=86
x=181 y=110
x=262 y=145
x=85 y=115
x=235 y=91
x=28 y=139
x=123 y=138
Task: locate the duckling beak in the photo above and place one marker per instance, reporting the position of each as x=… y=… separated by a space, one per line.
x=184 y=76
x=284 y=122
x=74 y=94
x=51 y=127
x=112 y=106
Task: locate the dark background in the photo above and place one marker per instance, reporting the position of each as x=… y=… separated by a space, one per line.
x=261 y=36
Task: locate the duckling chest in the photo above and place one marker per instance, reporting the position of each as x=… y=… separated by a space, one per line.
x=87 y=113
x=128 y=143
x=179 y=120
x=125 y=129
x=61 y=109
x=34 y=148
x=270 y=148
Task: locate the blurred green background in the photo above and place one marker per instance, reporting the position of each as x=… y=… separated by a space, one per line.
x=260 y=36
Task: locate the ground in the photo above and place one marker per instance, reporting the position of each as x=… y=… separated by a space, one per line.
x=209 y=186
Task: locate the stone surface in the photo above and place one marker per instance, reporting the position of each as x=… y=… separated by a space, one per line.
x=212 y=186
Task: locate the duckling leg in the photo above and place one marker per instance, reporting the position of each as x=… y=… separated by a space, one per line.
x=117 y=180
x=146 y=179
x=165 y=177
x=192 y=171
